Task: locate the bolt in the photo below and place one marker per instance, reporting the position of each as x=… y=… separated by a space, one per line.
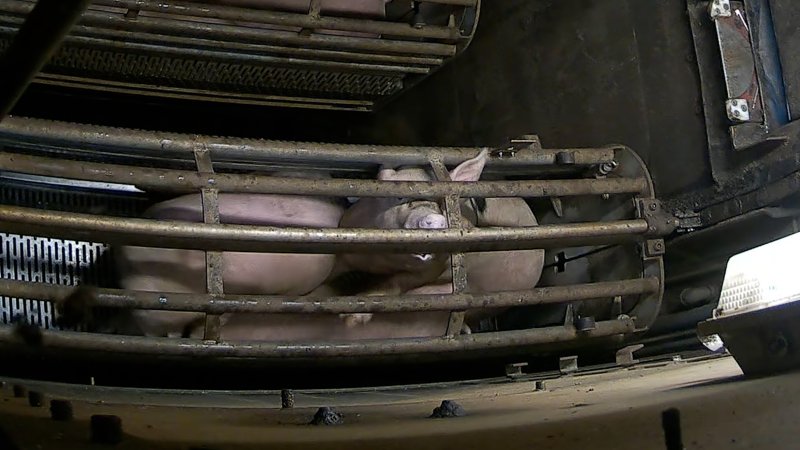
x=653 y=206
x=541 y=386
x=287 y=398
x=35 y=399
x=659 y=246
x=61 y=410
x=20 y=391
x=106 y=429
x=778 y=345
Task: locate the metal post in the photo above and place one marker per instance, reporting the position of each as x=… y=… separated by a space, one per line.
x=40 y=36
x=210 y=199
x=459 y=272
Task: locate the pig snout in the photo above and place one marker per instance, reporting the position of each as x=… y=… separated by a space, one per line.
x=425 y=220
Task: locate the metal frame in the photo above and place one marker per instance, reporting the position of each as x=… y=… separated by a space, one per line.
x=41 y=138
x=393 y=55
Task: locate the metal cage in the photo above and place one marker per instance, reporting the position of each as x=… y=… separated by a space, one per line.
x=287 y=53
x=596 y=200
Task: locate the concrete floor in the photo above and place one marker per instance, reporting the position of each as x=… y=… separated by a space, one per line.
x=616 y=409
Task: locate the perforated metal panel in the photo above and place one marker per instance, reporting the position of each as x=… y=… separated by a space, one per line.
x=55 y=261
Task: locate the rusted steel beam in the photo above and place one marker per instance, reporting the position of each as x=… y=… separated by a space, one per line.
x=37 y=133
x=248 y=238
x=177 y=181
x=271 y=304
x=165 y=347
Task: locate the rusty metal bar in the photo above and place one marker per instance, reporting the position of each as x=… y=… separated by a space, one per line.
x=309 y=21
x=35 y=132
x=247 y=349
x=214 y=261
x=81 y=34
x=452 y=211
x=273 y=304
x=187 y=181
x=247 y=238
x=229 y=32
x=39 y=37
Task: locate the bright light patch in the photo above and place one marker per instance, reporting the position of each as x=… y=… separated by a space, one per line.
x=762 y=277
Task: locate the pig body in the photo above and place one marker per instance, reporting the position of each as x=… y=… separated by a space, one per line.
x=177 y=270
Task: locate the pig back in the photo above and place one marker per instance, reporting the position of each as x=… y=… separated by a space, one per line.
x=153 y=269
x=508 y=270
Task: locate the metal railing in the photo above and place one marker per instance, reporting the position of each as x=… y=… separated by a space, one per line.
x=70 y=141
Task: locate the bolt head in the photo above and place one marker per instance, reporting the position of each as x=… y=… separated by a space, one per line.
x=737 y=110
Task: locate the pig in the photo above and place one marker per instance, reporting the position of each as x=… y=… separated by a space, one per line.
x=183 y=271
x=486 y=271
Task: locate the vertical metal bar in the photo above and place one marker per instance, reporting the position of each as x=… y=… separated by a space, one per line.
x=214 y=286
x=452 y=210
x=39 y=37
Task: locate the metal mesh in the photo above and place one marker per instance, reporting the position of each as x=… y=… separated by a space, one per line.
x=200 y=74
x=54 y=261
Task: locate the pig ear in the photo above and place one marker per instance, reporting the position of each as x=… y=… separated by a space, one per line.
x=386 y=174
x=471 y=169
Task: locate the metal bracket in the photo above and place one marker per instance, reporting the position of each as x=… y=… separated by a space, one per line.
x=525 y=142
x=659 y=221
x=568 y=364
x=654 y=247
x=624 y=356
x=719 y=8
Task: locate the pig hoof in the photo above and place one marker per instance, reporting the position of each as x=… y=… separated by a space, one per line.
x=353 y=320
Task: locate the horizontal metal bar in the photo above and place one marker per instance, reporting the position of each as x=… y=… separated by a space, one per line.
x=179 y=181
x=232 y=32
x=129 y=141
x=452 y=2
x=224 y=54
x=136 y=345
x=120 y=36
x=203 y=95
x=272 y=304
x=305 y=21
x=246 y=238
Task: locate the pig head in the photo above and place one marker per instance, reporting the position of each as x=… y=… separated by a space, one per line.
x=411 y=269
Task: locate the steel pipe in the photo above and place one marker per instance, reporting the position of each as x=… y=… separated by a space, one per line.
x=247 y=238
x=117 y=38
x=305 y=21
x=232 y=32
x=177 y=181
x=136 y=345
x=271 y=304
x=37 y=132
x=38 y=38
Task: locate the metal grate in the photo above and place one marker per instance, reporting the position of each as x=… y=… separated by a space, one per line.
x=55 y=261
x=244 y=55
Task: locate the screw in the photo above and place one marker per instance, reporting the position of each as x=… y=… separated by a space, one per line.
x=106 y=429
x=20 y=391
x=287 y=398
x=35 y=399
x=61 y=410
